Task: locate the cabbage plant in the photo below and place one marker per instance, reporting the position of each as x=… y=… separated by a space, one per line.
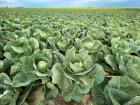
x=124 y=46
x=71 y=32
x=15 y=49
x=77 y=74
x=39 y=63
x=10 y=91
x=93 y=46
x=60 y=43
x=42 y=32
x=96 y=34
x=116 y=92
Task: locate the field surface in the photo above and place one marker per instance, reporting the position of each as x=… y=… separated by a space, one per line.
x=70 y=56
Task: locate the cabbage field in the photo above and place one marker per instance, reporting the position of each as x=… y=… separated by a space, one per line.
x=69 y=53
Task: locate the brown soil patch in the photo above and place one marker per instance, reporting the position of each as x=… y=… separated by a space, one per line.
x=58 y=100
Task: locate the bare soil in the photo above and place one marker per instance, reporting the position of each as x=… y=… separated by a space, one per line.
x=58 y=100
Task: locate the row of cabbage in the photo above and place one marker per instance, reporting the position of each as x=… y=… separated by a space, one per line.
x=66 y=52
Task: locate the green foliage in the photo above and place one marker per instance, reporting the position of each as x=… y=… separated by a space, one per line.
x=70 y=53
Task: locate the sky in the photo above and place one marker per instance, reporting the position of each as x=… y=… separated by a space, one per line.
x=70 y=3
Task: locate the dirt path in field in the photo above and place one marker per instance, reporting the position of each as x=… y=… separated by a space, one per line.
x=58 y=100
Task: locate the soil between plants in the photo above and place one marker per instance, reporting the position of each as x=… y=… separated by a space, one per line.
x=58 y=100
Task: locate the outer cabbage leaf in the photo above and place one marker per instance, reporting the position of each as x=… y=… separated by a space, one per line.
x=59 y=77
x=6 y=97
x=5 y=81
x=111 y=60
x=5 y=65
x=19 y=79
x=49 y=91
x=118 y=93
x=133 y=68
x=93 y=102
x=134 y=101
x=77 y=44
x=98 y=92
x=73 y=93
x=24 y=95
x=137 y=43
x=15 y=69
x=9 y=96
